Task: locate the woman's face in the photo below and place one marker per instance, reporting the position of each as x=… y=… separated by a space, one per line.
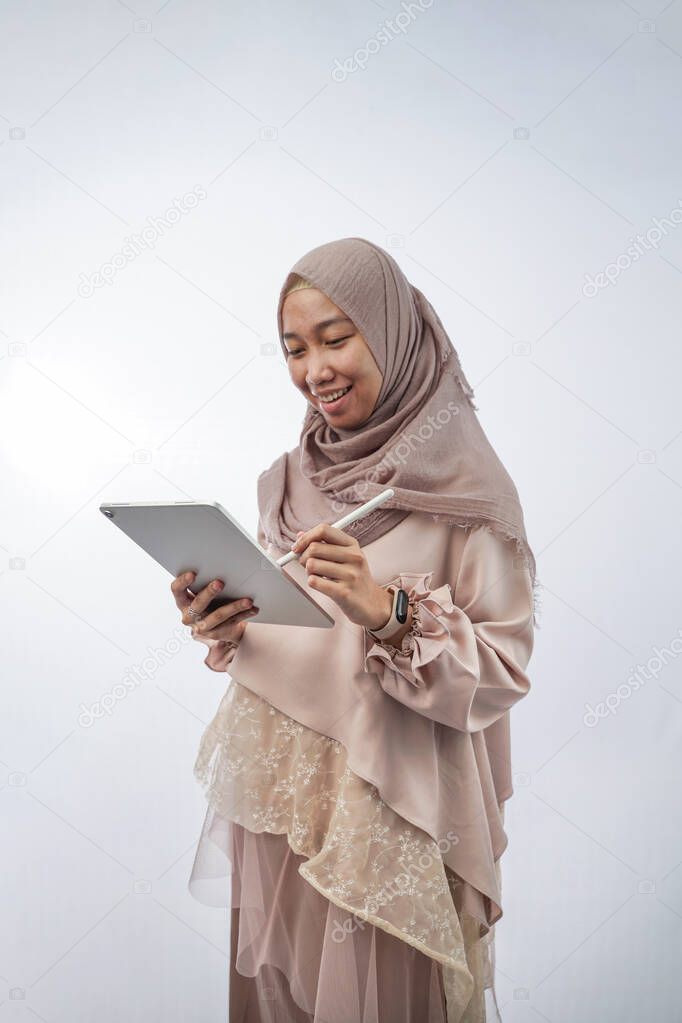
x=326 y=353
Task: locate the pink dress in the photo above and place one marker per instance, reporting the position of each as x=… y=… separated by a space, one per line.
x=350 y=900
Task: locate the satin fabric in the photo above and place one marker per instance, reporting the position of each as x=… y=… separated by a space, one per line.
x=430 y=731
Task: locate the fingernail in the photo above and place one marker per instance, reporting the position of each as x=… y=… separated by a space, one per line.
x=217 y=586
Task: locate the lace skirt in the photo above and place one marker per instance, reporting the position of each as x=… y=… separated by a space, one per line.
x=341 y=910
x=295 y=956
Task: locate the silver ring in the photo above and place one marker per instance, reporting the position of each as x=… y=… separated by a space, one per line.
x=195 y=614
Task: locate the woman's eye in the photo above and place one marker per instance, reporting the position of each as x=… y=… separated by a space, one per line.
x=335 y=341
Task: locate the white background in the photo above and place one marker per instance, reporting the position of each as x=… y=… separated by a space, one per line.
x=501 y=152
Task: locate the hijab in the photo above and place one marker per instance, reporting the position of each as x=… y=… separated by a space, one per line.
x=423 y=437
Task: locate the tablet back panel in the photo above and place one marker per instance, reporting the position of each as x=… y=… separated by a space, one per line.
x=203 y=537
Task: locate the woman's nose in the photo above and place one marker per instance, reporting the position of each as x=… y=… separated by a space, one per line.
x=313 y=379
x=318 y=370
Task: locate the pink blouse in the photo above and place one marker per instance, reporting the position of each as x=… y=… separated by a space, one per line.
x=428 y=727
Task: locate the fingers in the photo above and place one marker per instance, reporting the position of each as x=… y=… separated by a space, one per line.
x=330 y=552
x=193 y=613
x=329 y=569
x=179 y=590
x=225 y=623
x=323 y=531
x=227 y=615
x=231 y=631
x=186 y=599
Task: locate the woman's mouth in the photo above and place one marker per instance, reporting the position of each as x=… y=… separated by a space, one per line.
x=338 y=403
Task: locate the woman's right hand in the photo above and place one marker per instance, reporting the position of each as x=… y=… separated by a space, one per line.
x=227 y=623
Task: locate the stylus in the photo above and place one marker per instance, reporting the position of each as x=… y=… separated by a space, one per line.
x=359 y=513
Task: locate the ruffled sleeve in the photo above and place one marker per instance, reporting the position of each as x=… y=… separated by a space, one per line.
x=463 y=661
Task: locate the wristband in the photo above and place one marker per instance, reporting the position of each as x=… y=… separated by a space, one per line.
x=398 y=614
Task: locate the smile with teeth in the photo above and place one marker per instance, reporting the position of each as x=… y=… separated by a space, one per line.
x=334 y=396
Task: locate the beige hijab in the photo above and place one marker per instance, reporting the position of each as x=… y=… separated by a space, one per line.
x=423 y=437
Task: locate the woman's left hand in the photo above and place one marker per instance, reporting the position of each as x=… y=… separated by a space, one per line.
x=336 y=566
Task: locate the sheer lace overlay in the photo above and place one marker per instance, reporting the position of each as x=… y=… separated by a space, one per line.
x=269 y=773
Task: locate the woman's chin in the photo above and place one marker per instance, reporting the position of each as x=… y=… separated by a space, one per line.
x=346 y=422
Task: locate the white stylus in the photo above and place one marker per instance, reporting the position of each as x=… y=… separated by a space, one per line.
x=359 y=513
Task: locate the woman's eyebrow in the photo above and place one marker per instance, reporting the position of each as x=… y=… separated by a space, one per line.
x=319 y=326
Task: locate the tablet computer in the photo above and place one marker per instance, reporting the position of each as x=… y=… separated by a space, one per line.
x=202 y=537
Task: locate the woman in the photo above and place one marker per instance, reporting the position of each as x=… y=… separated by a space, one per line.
x=356 y=776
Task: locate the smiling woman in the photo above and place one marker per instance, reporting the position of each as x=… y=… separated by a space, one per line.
x=328 y=358
x=356 y=776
